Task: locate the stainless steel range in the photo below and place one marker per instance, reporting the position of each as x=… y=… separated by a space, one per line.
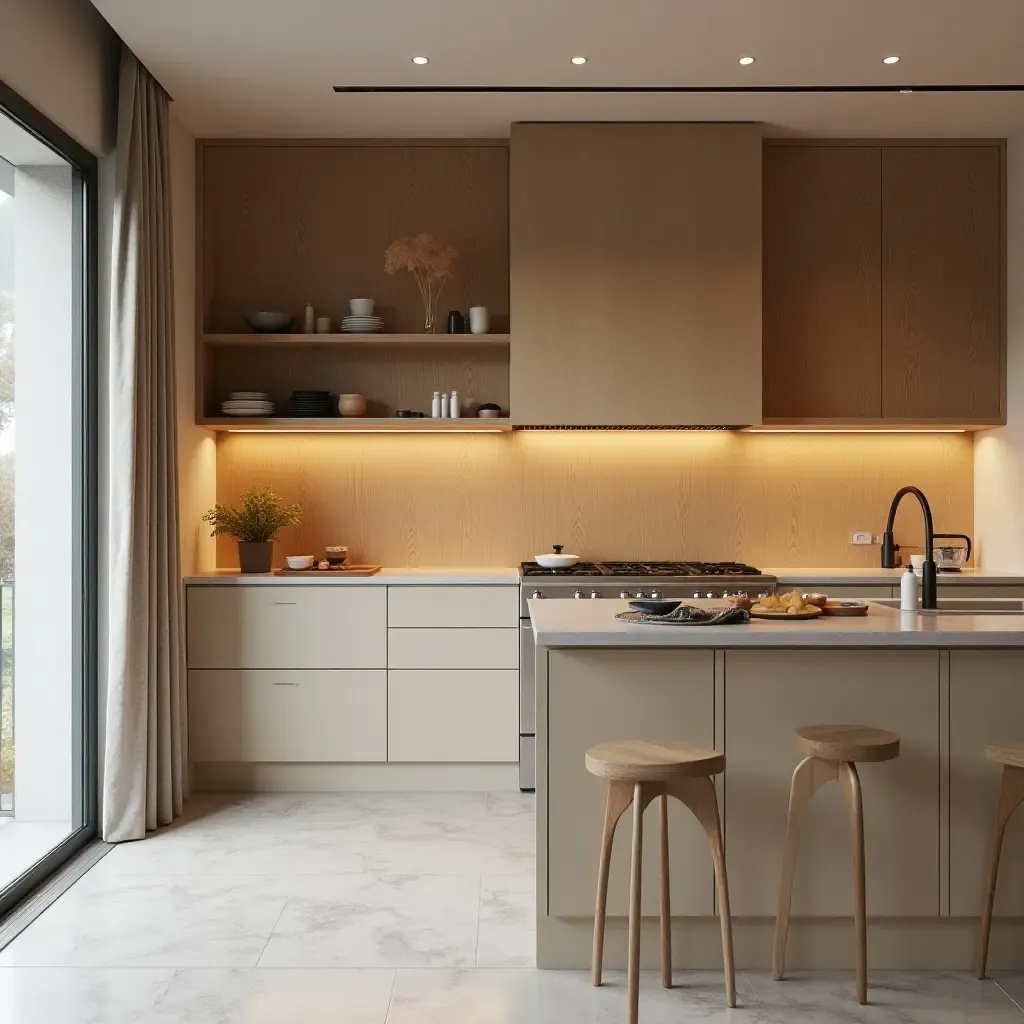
x=592 y=581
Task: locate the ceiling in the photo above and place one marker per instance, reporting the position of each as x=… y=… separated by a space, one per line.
x=263 y=68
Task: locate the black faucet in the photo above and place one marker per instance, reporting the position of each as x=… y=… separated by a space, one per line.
x=889 y=545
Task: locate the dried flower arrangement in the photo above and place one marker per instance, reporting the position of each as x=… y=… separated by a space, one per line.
x=430 y=261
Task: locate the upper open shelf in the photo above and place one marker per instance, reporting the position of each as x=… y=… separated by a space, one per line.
x=276 y=340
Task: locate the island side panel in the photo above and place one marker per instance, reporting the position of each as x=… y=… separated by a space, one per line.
x=769 y=693
x=986 y=706
x=598 y=695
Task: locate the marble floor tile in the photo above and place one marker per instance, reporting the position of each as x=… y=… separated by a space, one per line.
x=895 y=997
x=507 y=934
x=1012 y=983
x=377 y=920
x=77 y=995
x=274 y=996
x=512 y=804
x=153 y=921
x=557 y=997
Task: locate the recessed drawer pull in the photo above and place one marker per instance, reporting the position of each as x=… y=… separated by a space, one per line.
x=282 y=682
x=286 y=602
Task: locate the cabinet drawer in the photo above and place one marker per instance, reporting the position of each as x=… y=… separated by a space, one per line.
x=307 y=715
x=445 y=715
x=453 y=648
x=453 y=606
x=287 y=627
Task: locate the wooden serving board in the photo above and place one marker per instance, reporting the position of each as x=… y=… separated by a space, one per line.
x=809 y=613
x=846 y=608
x=349 y=570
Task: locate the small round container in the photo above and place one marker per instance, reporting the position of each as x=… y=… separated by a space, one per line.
x=361 y=307
x=300 y=561
x=336 y=555
x=352 y=405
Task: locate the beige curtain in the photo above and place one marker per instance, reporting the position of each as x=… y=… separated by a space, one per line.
x=145 y=758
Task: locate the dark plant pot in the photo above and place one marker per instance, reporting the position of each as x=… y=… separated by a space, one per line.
x=255 y=556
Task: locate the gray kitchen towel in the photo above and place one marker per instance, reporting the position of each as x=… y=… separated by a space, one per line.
x=688 y=615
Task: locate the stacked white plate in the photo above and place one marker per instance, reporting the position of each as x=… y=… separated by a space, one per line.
x=248 y=403
x=361 y=324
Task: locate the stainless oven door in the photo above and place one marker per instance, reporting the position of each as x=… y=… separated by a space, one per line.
x=527 y=680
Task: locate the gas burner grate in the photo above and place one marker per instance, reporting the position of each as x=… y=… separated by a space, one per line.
x=679 y=569
x=579 y=569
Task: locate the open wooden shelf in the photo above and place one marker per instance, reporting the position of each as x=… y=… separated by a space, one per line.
x=257 y=340
x=364 y=424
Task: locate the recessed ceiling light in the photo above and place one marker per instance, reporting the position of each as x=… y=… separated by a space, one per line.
x=746 y=60
x=890 y=60
x=421 y=60
x=579 y=60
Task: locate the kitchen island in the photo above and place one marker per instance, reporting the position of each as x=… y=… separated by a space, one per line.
x=946 y=683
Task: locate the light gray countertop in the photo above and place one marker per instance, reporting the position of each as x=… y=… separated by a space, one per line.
x=427 y=576
x=593 y=624
x=891 y=577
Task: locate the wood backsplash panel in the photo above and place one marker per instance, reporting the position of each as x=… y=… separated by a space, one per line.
x=286 y=224
x=768 y=499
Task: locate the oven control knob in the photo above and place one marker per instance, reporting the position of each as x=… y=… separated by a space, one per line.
x=655 y=594
x=624 y=594
x=594 y=595
x=577 y=594
x=710 y=595
x=537 y=595
x=696 y=594
x=640 y=593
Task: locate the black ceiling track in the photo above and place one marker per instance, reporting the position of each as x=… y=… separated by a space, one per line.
x=681 y=89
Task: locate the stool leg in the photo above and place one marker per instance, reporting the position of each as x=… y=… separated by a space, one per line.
x=699 y=795
x=850 y=781
x=620 y=795
x=635 y=880
x=1011 y=796
x=666 y=900
x=811 y=774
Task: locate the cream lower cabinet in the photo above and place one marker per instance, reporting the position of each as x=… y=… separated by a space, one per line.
x=589 y=704
x=986 y=705
x=288 y=715
x=897 y=690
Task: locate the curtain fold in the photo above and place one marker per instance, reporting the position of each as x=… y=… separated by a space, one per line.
x=145 y=768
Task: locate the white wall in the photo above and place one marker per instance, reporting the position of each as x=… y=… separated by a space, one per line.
x=999 y=454
x=197 y=450
x=43 y=509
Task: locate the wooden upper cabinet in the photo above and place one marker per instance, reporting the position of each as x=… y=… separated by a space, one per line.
x=635 y=274
x=943 y=337
x=822 y=282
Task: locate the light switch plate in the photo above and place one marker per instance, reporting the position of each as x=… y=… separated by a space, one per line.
x=861 y=537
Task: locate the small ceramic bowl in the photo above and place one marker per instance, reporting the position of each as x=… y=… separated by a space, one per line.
x=299 y=561
x=336 y=554
x=361 y=307
x=265 y=322
x=352 y=405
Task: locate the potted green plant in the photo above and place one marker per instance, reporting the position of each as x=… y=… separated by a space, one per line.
x=254 y=525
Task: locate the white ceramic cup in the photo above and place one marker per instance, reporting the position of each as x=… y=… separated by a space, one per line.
x=479 y=320
x=323 y=325
x=360 y=307
x=299 y=561
x=917 y=563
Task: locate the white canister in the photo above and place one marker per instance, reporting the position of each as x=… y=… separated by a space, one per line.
x=908 y=591
x=323 y=325
x=309 y=322
x=479 y=320
x=456 y=410
x=435 y=406
x=446 y=408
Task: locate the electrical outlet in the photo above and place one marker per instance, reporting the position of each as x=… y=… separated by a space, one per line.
x=861 y=537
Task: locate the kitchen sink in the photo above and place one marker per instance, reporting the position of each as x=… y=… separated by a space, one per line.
x=966 y=605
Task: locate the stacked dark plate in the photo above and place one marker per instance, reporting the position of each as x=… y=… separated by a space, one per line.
x=311 y=404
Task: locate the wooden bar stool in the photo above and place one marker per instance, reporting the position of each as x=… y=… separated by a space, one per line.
x=639 y=771
x=831 y=755
x=1011 y=796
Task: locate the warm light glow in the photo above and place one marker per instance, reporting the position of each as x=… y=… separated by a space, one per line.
x=579 y=60
x=369 y=430
x=421 y=60
x=890 y=60
x=746 y=60
x=855 y=430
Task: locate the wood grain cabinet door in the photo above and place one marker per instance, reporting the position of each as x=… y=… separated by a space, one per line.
x=822 y=282
x=943 y=339
x=635 y=274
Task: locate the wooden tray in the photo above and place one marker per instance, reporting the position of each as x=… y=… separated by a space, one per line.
x=809 y=613
x=348 y=570
x=846 y=608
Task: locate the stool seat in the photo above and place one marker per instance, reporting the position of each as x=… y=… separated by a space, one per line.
x=1006 y=753
x=848 y=743
x=652 y=761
